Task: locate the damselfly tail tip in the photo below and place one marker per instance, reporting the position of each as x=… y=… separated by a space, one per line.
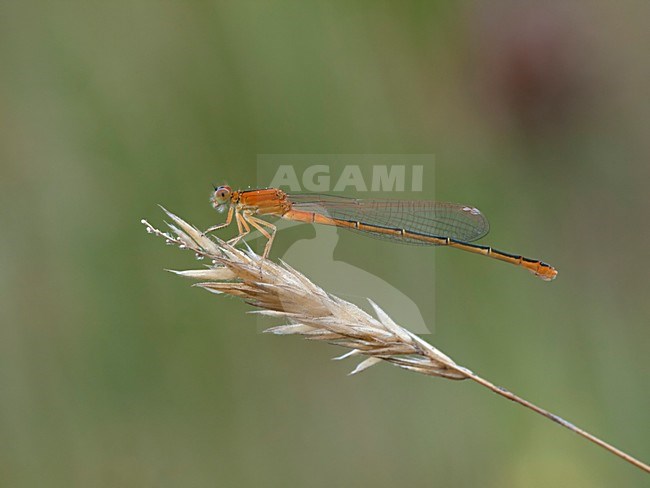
x=545 y=272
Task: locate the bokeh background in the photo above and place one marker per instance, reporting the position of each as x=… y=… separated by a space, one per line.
x=115 y=373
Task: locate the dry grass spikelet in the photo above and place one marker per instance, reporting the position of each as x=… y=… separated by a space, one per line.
x=280 y=291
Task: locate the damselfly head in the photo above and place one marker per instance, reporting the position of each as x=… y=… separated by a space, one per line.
x=221 y=197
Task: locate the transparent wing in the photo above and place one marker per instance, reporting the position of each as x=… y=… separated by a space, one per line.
x=440 y=219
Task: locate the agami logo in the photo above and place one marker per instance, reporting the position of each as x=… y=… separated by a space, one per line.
x=320 y=178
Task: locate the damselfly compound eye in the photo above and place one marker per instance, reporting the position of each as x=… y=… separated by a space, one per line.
x=222 y=195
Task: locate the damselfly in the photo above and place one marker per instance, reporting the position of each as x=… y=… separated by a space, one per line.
x=406 y=221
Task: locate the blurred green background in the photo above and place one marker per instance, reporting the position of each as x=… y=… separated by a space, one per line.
x=115 y=373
